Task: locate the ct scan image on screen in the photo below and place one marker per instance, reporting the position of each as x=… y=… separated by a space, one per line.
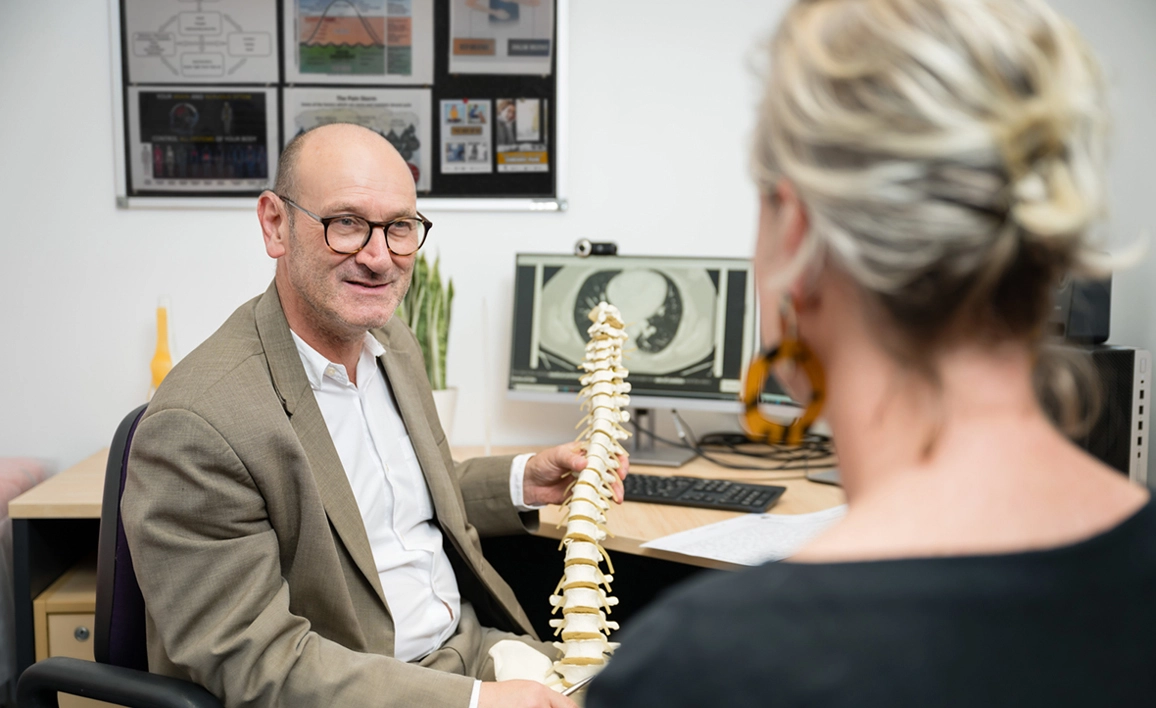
x=690 y=321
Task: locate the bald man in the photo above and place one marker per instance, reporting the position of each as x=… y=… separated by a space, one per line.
x=301 y=534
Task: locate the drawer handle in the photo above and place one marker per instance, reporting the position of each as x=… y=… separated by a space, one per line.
x=81 y=634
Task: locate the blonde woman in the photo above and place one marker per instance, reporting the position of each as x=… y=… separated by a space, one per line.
x=929 y=170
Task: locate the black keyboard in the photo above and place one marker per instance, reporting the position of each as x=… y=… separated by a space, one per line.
x=706 y=493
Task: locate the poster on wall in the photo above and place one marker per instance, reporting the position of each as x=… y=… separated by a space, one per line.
x=401 y=116
x=211 y=139
x=177 y=41
x=520 y=142
x=501 y=36
x=465 y=136
x=359 y=41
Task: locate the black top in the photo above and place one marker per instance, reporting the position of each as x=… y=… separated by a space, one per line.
x=1070 y=626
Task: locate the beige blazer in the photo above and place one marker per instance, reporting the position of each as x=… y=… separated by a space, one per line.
x=249 y=548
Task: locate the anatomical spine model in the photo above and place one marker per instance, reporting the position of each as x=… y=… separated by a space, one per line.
x=583 y=593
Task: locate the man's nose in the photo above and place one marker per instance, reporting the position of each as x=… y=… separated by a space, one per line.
x=376 y=255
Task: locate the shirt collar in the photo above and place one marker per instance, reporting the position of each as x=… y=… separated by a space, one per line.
x=316 y=365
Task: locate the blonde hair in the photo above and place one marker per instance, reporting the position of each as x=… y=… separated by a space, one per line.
x=950 y=154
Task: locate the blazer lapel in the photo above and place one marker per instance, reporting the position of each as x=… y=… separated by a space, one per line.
x=406 y=375
x=403 y=372
x=305 y=416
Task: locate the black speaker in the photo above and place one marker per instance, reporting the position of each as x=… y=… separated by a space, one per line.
x=1081 y=311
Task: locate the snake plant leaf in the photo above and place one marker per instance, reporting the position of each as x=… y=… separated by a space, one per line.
x=426 y=310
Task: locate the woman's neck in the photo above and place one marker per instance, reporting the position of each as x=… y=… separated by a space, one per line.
x=889 y=419
x=961 y=462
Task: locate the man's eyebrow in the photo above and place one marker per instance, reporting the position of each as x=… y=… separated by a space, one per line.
x=342 y=208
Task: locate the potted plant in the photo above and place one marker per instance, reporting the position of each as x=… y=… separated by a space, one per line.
x=426 y=309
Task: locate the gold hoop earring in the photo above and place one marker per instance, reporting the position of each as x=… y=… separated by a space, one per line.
x=758 y=427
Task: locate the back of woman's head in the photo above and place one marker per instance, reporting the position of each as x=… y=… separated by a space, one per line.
x=949 y=154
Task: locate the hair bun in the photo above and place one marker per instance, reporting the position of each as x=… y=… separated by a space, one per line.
x=1046 y=202
x=1043 y=198
x=949 y=154
x=1034 y=131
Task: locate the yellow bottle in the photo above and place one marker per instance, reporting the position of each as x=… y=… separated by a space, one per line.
x=163 y=359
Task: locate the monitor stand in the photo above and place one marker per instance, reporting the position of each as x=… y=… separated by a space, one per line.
x=644 y=450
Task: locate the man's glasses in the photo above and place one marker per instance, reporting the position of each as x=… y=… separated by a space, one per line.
x=347 y=234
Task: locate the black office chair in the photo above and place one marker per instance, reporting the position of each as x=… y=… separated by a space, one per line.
x=120 y=674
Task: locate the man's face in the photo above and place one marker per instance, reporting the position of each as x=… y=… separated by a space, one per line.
x=338 y=297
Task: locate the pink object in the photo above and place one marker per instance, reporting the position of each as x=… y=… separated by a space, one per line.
x=18 y=475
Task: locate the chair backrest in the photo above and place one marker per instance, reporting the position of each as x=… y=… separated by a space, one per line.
x=119 y=632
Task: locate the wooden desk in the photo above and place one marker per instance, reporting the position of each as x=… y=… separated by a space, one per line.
x=634 y=523
x=56 y=523
x=75 y=493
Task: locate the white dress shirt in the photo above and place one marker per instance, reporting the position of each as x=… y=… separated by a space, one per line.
x=393 y=498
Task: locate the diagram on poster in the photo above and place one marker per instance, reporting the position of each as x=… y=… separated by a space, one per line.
x=213 y=139
x=401 y=116
x=501 y=36
x=201 y=41
x=465 y=136
x=520 y=143
x=359 y=41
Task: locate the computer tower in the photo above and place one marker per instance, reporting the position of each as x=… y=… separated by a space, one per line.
x=1119 y=437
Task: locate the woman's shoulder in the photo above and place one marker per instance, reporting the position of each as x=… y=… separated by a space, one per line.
x=735 y=634
x=727 y=595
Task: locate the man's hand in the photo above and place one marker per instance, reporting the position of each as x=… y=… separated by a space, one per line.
x=548 y=474
x=520 y=694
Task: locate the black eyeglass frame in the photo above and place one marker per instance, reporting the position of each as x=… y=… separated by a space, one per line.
x=326 y=220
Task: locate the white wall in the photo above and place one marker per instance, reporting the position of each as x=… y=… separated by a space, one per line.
x=1121 y=32
x=660 y=111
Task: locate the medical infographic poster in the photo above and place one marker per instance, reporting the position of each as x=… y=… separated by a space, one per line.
x=208 y=92
x=465 y=136
x=520 y=141
x=201 y=41
x=501 y=36
x=359 y=41
x=205 y=140
x=401 y=116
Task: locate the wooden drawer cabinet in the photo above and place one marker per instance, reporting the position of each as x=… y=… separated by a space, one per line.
x=63 y=619
x=70 y=635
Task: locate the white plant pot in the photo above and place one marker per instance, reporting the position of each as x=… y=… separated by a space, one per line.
x=446 y=402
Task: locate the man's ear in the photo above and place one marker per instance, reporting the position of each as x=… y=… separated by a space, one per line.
x=274 y=224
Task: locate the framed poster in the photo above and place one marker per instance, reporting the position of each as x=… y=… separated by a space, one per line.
x=401 y=116
x=175 y=41
x=208 y=92
x=374 y=42
x=208 y=140
x=501 y=36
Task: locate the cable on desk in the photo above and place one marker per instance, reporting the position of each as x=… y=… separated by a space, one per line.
x=655 y=436
x=782 y=458
x=813 y=446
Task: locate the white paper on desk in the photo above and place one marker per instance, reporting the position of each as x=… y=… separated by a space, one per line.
x=751 y=539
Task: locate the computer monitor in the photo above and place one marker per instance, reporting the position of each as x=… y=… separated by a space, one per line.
x=692 y=324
